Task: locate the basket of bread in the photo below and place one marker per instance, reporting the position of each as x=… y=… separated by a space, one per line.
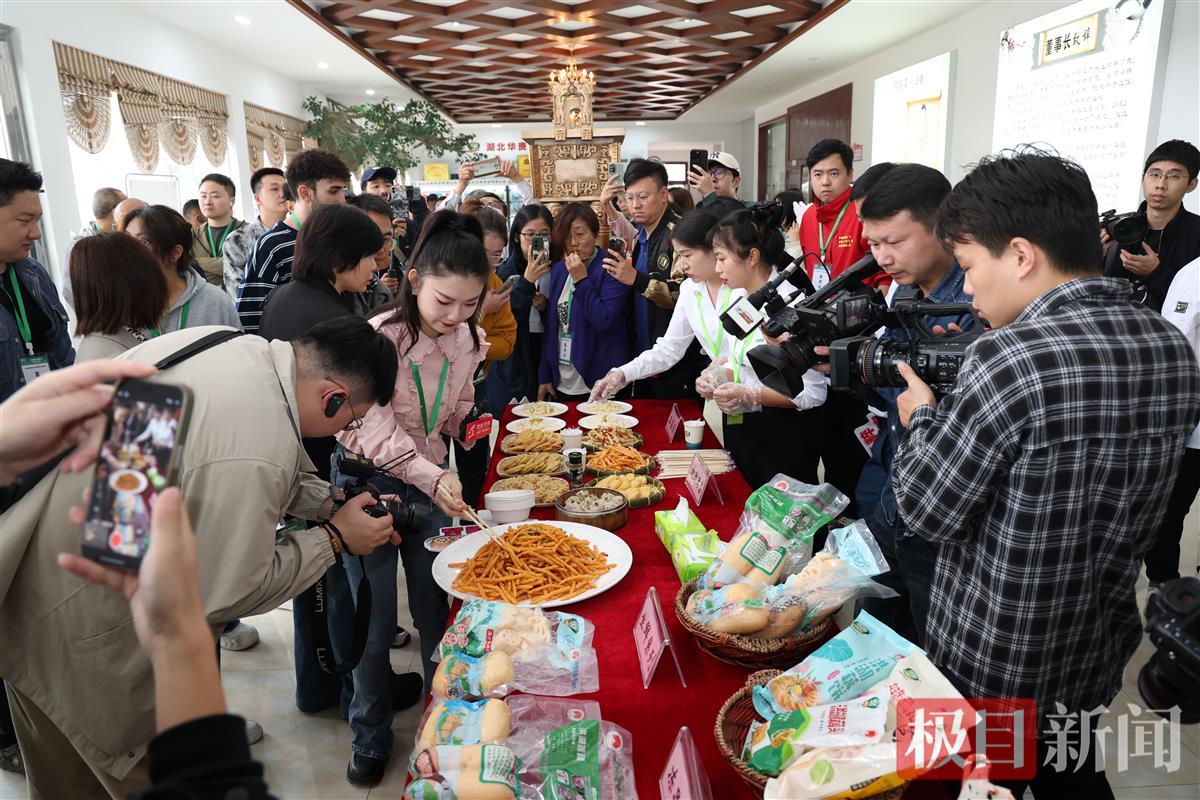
x=800 y=736
x=766 y=601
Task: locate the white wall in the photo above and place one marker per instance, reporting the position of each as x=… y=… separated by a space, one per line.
x=974 y=38
x=117 y=31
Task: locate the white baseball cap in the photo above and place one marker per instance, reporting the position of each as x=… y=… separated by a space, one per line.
x=725 y=160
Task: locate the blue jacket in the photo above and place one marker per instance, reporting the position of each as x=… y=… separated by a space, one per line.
x=948 y=290
x=516 y=376
x=599 y=323
x=36 y=287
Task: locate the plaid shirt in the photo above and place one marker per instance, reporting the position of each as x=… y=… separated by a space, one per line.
x=1042 y=477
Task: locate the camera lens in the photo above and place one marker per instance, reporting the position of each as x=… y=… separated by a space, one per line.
x=878 y=360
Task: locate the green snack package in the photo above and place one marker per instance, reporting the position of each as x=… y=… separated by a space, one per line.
x=692 y=553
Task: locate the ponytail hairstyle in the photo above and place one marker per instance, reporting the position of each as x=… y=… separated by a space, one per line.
x=450 y=244
x=693 y=230
x=526 y=215
x=754 y=228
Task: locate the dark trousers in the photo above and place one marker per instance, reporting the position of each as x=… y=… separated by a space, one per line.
x=841 y=452
x=1162 y=560
x=8 y=734
x=472 y=469
x=912 y=560
x=775 y=440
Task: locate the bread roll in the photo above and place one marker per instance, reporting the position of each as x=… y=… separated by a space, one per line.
x=469 y=772
x=783 y=620
x=740 y=618
x=462 y=722
x=463 y=676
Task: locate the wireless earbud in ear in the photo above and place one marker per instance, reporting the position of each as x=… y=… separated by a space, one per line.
x=334 y=404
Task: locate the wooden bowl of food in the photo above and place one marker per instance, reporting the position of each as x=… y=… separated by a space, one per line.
x=603 y=508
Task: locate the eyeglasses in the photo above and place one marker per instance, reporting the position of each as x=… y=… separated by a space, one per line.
x=717 y=174
x=355 y=422
x=1172 y=177
x=531 y=234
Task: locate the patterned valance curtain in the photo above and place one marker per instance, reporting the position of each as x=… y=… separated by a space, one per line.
x=279 y=135
x=154 y=109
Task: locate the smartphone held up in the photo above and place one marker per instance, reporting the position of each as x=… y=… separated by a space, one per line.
x=139 y=458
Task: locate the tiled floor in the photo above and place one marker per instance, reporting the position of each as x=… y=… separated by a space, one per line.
x=305 y=755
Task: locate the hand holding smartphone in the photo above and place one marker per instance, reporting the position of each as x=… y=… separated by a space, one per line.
x=139 y=458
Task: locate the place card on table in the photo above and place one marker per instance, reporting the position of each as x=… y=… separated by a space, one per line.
x=698 y=479
x=673 y=422
x=684 y=777
x=651 y=637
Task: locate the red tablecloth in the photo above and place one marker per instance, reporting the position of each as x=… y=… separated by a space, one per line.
x=653 y=716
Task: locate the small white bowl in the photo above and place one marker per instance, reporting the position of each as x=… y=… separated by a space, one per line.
x=510 y=505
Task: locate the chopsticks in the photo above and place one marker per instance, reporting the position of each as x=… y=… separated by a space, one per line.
x=445 y=494
x=676 y=463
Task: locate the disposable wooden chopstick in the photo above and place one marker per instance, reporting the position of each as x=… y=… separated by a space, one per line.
x=474 y=517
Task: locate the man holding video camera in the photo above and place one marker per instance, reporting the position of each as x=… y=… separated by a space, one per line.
x=898 y=219
x=1039 y=477
x=80 y=686
x=1155 y=242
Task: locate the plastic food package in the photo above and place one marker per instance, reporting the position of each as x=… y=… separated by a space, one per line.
x=838 y=574
x=586 y=760
x=842 y=772
x=915 y=677
x=772 y=745
x=844 y=667
x=484 y=626
x=468 y=772
x=777 y=526
x=693 y=553
x=464 y=722
x=461 y=676
x=681 y=519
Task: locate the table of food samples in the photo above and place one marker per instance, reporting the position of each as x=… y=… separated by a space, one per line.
x=631 y=619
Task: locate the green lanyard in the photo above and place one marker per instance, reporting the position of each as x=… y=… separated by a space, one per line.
x=832 y=232
x=215 y=249
x=19 y=304
x=735 y=364
x=183 y=315
x=429 y=424
x=96 y=228
x=570 y=302
x=723 y=304
x=295 y=219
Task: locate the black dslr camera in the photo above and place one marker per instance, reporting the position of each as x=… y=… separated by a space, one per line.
x=360 y=470
x=847 y=306
x=1173 y=621
x=1127 y=230
x=859 y=362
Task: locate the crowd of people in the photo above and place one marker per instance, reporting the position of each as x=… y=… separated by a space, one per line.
x=1016 y=511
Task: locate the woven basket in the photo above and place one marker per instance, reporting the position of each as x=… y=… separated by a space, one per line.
x=744 y=651
x=733 y=724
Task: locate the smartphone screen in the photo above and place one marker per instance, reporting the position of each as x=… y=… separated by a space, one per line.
x=488 y=166
x=540 y=244
x=511 y=281
x=618 y=244
x=137 y=461
x=698 y=158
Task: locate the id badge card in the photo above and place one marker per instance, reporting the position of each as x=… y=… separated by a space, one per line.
x=33 y=367
x=820 y=276
x=564 y=351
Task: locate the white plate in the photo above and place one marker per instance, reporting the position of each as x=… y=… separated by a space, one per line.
x=538 y=423
x=523 y=410
x=608 y=421
x=619 y=407
x=608 y=543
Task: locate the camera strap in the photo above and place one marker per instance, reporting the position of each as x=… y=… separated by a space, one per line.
x=322 y=648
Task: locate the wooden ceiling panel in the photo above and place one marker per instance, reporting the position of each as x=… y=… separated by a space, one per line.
x=482 y=60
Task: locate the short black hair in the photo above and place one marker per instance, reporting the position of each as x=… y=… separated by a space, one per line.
x=1033 y=194
x=348 y=348
x=371 y=204
x=1180 y=152
x=788 y=199
x=334 y=239
x=692 y=229
x=166 y=228
x=831 y=147
x=17 y=176
x=223 y=180
x=867 y=180
x=310 y=166
x=640 y=168
x=257 y=178
x=190 y=206
x=914 y=188
x=491 y=221
x=105 y=200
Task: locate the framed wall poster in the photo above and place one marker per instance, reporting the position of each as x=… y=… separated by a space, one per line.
x=915 y=100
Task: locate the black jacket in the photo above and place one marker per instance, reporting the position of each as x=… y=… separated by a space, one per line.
x=1177 y=245
x=204 y=759
x=516 y=376
x=660 y=286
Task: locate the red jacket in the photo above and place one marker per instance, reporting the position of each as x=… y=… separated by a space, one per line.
x=844 y=246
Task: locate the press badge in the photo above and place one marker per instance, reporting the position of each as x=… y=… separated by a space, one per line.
x=820 y=276
x=34 y=367
x=564 y=351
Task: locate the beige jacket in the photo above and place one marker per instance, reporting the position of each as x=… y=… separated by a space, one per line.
x=69 y=645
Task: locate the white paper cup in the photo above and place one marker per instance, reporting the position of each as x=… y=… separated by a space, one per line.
x=693 y=433
x=572 y=438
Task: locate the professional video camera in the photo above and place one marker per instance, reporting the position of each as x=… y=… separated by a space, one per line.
x=1127 y=230
x=360 y=470
x=858 y=362
x=846 y=306
x=1173 y=621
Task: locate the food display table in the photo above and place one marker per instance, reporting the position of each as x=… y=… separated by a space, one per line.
x=653 y=716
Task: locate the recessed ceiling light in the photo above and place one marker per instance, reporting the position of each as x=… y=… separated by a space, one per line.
x=495 y=124
x=370 y=91
x=240 y=20
x=322 y=65
x=639 y=122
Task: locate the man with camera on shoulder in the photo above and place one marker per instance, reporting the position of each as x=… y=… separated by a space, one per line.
x=1038 y=477
x=1155 y=242
x=80 y=686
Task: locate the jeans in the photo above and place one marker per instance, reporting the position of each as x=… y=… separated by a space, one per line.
x=371 y=708
x=912 y=560
x=316 y=689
